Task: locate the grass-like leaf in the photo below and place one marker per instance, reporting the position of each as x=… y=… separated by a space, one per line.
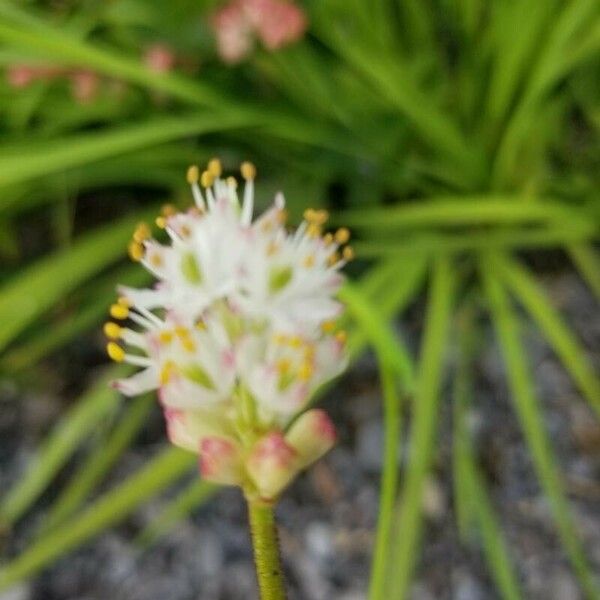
x=22 y=30
x=192 y=496
x=394 y=361
x=373 y=326
x=391 y=294
x=587 y=262
x=72 y=429
x=531 y=418
x=473 y=506
x=115 y=505
x=423 y=428
x=430 y=242
x=40 y=286
x=102 y=456
x=565 y=344
x=461 y=211
x=80 y=149
x=84 y=316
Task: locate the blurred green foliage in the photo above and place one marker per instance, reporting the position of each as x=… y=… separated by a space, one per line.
x=448 y=134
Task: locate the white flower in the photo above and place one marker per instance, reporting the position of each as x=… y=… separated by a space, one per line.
x=217 y=252
x=237 y=334
x=282 y=371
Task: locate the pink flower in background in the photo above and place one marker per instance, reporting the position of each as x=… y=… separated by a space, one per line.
x=275 y=22
x=233 y=31
x=20 y=76
x=84 y=86
x=159 y=58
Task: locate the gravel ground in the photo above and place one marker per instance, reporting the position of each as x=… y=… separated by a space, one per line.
x=327 y=518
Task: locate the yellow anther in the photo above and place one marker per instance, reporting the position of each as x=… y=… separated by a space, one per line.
x=272 y=248
x=168 y=210
x=309 y=261
x=214 y=167
x=112 y=330
x=282 y=216
x=327 y=239
x=207 y=179
x=135 y=251
x=118 y=311
x=348 y=253
x=185 y=231
x=248 y=170
x=193 y=174
x=142 y=232
x=342 y=235
x=295 y=341
x=321 y=217
x=309 y=351
x=266 y=225
x=313 y=230
x=309 y=214
x=341 y=336
x=124 y=301
x=305 y=371
x=115 y=352
x=328 y=326
x=156 y=260
x=279 y=338
x=168 y=370
x=182 y=332
x=165 y=337
x=161 y=222
x=333 y=259
x=232 y=182
x=283 y=365
x=201 y=326
x=188 y=345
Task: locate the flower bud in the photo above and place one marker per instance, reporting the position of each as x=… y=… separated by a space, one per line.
x=187 y=428
x=272 y=464
x=312 y=435
x=220 y=461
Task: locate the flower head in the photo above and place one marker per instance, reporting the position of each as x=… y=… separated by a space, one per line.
x=237 y=333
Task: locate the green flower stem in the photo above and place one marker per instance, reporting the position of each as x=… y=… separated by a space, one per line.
x=266 y=551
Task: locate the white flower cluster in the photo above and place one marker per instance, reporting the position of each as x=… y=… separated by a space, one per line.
x=237 y=333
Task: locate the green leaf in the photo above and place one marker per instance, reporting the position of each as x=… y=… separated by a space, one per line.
x=471 y=497
x=444 y=243
x=371 y=321
x=462 y=211
x=22 y=30
x=194 y=495
x=391 y=293
x=394 y=362
x=83 y=316
x=45 y=157
x=67 y=435
x=112 y=507
x=101 y=458
x=424 y=424
x=532 y=421
x=40 y=286
x=565 y=344
x=587 y=262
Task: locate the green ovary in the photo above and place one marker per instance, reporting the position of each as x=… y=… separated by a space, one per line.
x=191 y=269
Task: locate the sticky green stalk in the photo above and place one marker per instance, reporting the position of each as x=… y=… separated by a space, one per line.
x=266 y=551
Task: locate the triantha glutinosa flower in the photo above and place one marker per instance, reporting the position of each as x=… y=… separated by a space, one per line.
x=237 y=333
